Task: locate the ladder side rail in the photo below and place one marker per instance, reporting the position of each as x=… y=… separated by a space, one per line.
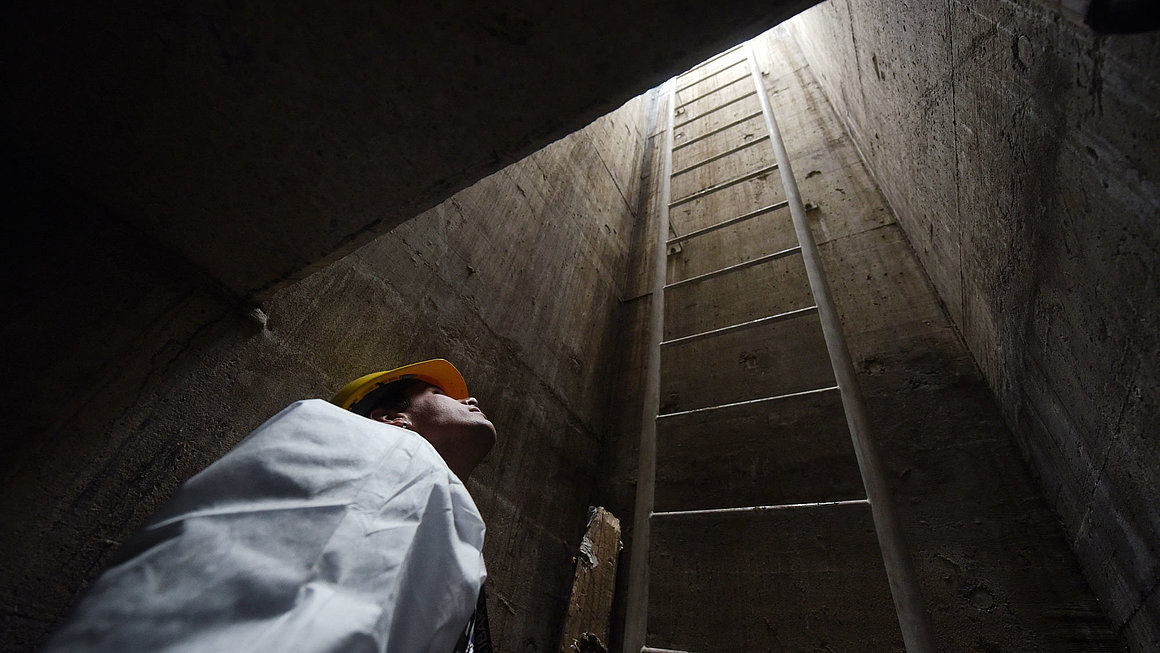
x=908 y=602
x=636 y=609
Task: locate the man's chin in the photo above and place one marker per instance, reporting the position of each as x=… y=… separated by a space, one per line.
x=489 y=435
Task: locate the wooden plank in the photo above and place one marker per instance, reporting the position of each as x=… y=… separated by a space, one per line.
x=587 y=621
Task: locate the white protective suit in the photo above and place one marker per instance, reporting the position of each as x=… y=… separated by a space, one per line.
x=321 y=531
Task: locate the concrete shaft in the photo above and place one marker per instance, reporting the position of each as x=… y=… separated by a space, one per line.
x=173 y=166
x=991 y=562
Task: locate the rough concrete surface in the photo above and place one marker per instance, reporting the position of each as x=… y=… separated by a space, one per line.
x=791 y=580
x=795 y=451
x=992 y=563
x=764 y=361
x=516 y=279
x=1019 y=152
x=775 y=287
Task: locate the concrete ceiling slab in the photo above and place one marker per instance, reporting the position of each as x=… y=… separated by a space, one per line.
x=262 y=140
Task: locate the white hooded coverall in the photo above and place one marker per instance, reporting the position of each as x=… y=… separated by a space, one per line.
x=321 y=531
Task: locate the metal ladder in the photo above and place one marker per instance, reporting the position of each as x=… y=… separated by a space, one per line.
x=900 y=575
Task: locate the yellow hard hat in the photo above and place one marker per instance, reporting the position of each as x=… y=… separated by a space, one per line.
x=438 y=372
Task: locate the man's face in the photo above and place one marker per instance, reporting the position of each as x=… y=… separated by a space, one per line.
x=457 y=428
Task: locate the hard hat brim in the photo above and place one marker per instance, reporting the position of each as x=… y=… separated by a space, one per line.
x=437 y=372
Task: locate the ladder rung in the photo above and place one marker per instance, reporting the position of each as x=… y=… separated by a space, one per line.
x=712 y=59
x=710 y=75
x=725 y=223
x=715 y=109
x=738 y=266
x=708 y=409
x=723 y=86
x=721 y=155
x=769 y=319
x=725 y=184
x=759 y=509
x=717 y=131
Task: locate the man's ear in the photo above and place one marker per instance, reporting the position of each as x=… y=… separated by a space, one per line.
x=385 y=416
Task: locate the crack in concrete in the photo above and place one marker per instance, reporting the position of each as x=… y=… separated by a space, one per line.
x=1105 y=455
x=857 y=59
x=1145 y=599
x=1097 y=80
x=615 y=184
x=957 y=174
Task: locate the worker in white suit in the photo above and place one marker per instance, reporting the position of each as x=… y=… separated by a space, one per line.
x=341 y=526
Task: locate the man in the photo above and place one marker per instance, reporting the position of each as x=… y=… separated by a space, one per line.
x=339 y=526
x=414 y=397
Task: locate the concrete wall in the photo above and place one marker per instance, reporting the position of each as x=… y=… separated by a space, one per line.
x=1019 y=152
x=516 y=279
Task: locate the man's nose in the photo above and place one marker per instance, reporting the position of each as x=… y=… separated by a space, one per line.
x=470 y=401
